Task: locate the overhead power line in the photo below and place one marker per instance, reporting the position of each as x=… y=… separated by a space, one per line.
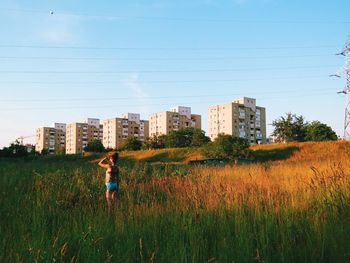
x=111 y=17
x=155 y=97
x=159 y=71
x=158 y=58
x=159 y=81
x=150 y=104
x=167 y=48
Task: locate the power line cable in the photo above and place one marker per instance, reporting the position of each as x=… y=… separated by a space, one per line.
x=160 y=59
x=161 y=71
x=144 y=104
x=154 y=97
x=167 y=48
x=162 y=81
x=174 y=19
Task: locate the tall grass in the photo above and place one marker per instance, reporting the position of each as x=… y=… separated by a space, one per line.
x=292 y=210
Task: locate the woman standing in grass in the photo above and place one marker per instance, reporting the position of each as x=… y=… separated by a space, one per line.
x=112 y=177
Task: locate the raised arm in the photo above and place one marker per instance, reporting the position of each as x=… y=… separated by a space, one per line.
x=103 y=165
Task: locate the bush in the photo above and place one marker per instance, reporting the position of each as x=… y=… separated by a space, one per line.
x=317 y=131
x=155 y=142
x=132 y=144
x=95 y=146
x=188 y=137
x=227 y=147
x=14 y=150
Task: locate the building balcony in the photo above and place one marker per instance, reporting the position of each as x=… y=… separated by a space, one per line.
x=258 y=136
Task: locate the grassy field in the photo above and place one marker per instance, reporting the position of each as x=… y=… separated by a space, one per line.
x=291 y=206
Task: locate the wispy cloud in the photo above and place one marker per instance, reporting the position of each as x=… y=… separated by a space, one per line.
x=133 y=83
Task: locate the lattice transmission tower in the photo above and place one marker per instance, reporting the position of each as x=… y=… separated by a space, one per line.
x=346 y=91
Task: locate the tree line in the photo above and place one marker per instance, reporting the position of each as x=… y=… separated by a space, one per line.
x=289 y=128
x=294 y=128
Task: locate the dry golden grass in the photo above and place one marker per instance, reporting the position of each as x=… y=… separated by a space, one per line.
x=144 y=154
x=291 y=210
x=185 y=155
x=311 y=173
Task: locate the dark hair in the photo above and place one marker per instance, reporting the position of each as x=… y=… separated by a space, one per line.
x=114 y=157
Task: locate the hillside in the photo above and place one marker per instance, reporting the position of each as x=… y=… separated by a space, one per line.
x=176 y=155
x=289 y=152
x=291 y=206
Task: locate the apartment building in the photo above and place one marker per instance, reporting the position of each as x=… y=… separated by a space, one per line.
x=79 y=134
x=117 y=130
x=60 y=137
x=177 y=118
x=52 y=139
x=240 y=118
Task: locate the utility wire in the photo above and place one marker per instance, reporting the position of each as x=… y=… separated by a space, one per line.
x=161 y=71
x=174 y=19
x=166 y=48
x=160 y=59
x=161 y=81
x=146 y=104
x=154 y=97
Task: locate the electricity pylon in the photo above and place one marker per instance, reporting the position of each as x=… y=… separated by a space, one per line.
x=346 y=91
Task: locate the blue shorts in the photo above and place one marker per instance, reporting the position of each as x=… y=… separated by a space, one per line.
x=112 y=186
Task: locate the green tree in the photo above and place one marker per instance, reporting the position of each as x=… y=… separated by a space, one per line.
x=95 y=146
x=199 y=138
x=241 y=148
x=178 y=139
x=317 y=131
x=132 y=144
x=6 y=152
x=155 y=142
x=228 y=147
x=187 y=137
x=289 y=128
x=14 y=150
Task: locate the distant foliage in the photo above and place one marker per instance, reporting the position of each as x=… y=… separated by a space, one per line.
x=132 y=144
x=14 y=150
x=95 y=146
x=317 y=131
x=289 y=128
x=294 y=128
x=228 y=147
x=199 y=138
x=155 y=142
x=188 y=137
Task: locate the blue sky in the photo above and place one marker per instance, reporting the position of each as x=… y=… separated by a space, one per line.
x=104 y=58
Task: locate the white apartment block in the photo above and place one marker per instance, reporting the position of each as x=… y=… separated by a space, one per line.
x=52 y=139
x=117 y=130
x=240 y=118
x=177 y=118
x=79 y=134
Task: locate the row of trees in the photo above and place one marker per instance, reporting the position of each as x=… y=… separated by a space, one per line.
x=294 y=128
x=15 y=150
x=188 y=137
x=224 y=146
x=286 y=129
